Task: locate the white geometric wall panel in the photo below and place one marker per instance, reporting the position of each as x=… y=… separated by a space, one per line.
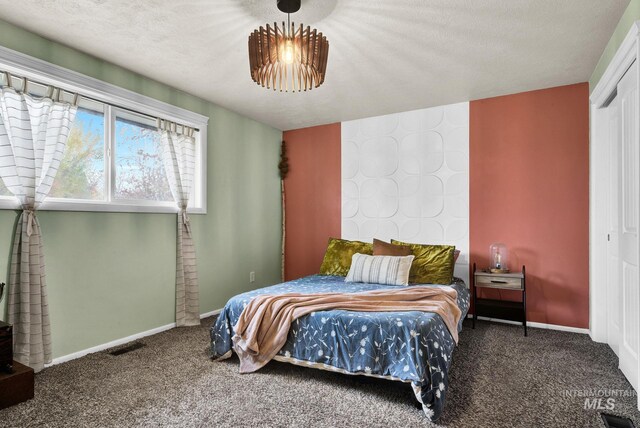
x=406 y=176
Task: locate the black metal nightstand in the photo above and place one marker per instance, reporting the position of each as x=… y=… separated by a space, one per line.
x=500 y=309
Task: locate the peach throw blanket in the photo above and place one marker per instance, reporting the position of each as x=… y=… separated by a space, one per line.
x=264 y=324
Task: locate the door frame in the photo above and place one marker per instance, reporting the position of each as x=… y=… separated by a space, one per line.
x=628 y=52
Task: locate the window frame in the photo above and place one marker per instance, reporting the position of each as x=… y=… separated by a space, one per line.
x=114 y=98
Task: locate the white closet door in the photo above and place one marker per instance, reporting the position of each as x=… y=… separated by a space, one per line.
x=629 y=204
x=614 y=314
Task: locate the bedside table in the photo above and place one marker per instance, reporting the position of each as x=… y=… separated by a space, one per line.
x=500 y=309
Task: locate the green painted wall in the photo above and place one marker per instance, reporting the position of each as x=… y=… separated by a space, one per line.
x=631 y=14
x=111 y=275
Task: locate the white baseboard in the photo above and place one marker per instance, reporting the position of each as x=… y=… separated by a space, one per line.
x=537 y=325
x=210 y=314
x=122 y=341
x=111 y=344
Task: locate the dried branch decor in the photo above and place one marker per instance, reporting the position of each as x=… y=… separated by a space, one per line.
x=283 y=167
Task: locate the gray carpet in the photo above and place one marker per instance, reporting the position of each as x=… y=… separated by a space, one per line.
x=498 y=379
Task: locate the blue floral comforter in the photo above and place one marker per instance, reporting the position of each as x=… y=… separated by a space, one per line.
x=413 y=347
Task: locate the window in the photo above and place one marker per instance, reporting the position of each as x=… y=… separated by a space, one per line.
x=139 y=168
x=131 y=160
x=81 y=174
x=113 y=157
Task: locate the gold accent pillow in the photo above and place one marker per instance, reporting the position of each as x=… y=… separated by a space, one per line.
x=433 y=263
x=337 y=258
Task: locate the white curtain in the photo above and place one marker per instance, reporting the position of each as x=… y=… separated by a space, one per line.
x=178 y=154
x=33 y=135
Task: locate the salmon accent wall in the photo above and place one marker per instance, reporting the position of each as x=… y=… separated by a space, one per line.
x=313 y=197
x=529 y=188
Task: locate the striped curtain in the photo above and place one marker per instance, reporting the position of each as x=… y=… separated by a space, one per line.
x=178 y=154
x=33 y=135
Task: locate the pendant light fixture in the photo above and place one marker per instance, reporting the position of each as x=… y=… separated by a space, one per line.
x=288 y=58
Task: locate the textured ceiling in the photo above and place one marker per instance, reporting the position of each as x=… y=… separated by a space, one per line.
x=385 y=56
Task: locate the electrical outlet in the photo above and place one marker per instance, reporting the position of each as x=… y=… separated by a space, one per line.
x=252 y=277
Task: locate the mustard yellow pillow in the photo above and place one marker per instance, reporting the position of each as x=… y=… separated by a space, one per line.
x=337 y=258
x=433 y=263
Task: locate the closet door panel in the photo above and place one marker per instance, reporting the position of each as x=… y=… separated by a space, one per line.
x=614 y=314
x=629 y=245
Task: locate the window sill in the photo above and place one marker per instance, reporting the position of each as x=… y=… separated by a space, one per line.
x=102 y=206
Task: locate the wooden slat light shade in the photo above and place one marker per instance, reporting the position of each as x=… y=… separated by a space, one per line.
x=269 y=67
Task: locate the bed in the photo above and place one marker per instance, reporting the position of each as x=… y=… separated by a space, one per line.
x=413 y=347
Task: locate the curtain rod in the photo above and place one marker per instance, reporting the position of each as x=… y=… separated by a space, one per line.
x=53 y=92
x=77 y=96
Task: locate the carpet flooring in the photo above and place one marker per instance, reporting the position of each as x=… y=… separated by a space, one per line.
x=498 y=379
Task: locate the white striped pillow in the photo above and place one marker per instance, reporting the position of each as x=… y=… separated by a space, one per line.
x=388 y=270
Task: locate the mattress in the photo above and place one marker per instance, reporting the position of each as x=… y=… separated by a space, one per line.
x=413 y=347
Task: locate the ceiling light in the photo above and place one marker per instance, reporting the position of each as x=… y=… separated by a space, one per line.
x=288 y=58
